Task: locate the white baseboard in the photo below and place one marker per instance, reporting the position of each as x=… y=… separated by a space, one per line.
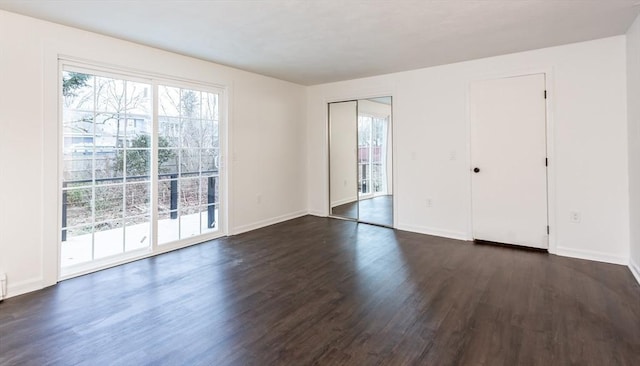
x=635 y=270
x=591 y=255
x=344 y=201
x=22 y=287
x=267 y=222
x=317 y=213
x=459 y=235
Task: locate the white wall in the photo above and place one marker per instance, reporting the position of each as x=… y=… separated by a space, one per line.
x=633 y=107
x=588 y=161
x=267 y=165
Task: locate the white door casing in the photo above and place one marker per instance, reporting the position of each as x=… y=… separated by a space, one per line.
x=508 y=147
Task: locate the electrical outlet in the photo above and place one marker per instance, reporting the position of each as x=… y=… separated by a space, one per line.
x=259 y=199
x=574 y=217
x=429 y=202
x=453 y=156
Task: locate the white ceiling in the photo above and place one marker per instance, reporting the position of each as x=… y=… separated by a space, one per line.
x=313 y=42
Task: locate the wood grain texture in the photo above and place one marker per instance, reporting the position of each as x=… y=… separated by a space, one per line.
x=332 y=292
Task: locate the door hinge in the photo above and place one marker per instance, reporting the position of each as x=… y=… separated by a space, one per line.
x=545 y=94
x=546 y=161
x=547 y=229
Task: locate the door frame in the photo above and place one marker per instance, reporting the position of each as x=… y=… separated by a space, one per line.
x=550 y=144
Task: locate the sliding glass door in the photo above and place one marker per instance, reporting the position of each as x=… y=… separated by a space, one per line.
x=125 y=138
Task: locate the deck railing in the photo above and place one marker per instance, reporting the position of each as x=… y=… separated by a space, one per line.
x=173 y=196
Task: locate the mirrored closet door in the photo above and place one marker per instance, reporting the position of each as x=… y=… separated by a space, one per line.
x=360 y=160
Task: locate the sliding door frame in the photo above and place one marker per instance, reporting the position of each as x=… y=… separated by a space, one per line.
x=155 y=81
x=328 y=102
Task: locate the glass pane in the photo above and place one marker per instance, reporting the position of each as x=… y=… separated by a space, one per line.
x=210 y=136
x=138 y=99
x=108 y=202
x=137 y=233
x=189 y=193
x=78 y=146
x=138 y=112
x=210 y=161
x=210 y=190
x=169 y=101
x=110 y=95
x=138 y=133
x=78 y=169
x=108 y=239
x=77 y=248
x=167 y=189
x=77 y=128
x=208 y=218
x=110 y=131
x=137 y=198
x=168 y=227
x=77 y=90
x=210 y=106
x=168 y=132
x=139 y=141
x=138 y=163
x=189 y=222
x=190 y=103
x=76 y=207
x=190 y=133
x=168 y=162
x=108 y=166
x=189 y=161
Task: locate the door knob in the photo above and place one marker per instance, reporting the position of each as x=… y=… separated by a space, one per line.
x=476 y=170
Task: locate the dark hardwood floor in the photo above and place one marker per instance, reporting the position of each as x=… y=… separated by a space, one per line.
x=332 y=292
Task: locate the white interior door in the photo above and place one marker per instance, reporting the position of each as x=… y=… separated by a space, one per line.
x=508 y=156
